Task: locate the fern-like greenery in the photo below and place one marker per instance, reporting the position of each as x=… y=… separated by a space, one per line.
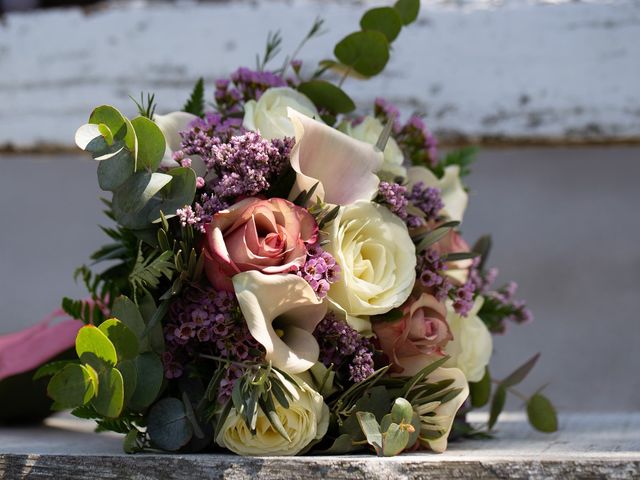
x=195 y=104
x=147 y=272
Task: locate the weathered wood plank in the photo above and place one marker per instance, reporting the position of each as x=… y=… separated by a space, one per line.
x=587 y=446
x=533 y=70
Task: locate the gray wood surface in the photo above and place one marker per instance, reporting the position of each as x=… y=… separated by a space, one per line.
x=594 y=445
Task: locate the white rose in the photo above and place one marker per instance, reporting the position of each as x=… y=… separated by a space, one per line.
x=269 y=114
x=377 y=260
x=306 y=420
x=369 y=131
x=453 y=194
x=471 y=347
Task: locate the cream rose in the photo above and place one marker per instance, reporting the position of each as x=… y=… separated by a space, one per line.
x=472 y=345
x=377 y=260
x=269 y=114
x=369 y=131
x=453 y=194
x=306 y=420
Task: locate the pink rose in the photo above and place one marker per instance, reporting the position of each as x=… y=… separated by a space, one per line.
x=454 y=243
x=414 y=340
x=270 y=236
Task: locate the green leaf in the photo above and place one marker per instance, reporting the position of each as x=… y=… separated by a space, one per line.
x=480 y=392
x=117 y=123
x=147 y=272
x=435 y=235
x=497 y=404
x=395 y=440
x=541 y=413
x=168 y=425
x=457 y=256
x=52 y=368
x=385 y=20
x=110 y=398
x=122 y=337
x=483 y=248
x=371 y=429
x=155 y=335
x=408 y=10
x=114 y=171
x=367 y=52
x=131 y=200
x=129 y=374
x=95 y=349
x=521 y=372
x=195 y=104
x=341 y=445
x=327 y=95
x=401 y=411
x=151 y=143
x=131 y=443
x=150 y=376
x=127 y=312
x=73 y=386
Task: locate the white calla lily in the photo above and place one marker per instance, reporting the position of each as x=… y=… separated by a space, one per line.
x=281 y=312
x=171 y=125
x=436 y=418
x=452 y=191
x=472 y=344
x=343 y=167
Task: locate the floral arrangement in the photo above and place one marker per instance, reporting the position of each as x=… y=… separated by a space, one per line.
x=287 y=275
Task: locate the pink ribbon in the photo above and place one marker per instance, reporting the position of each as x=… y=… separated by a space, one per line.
x=28 y=349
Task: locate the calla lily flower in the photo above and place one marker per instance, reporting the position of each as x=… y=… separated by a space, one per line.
x=171 y=125
x=343 y=167
x=281 y=311
x=436 y=418
x=452 y=191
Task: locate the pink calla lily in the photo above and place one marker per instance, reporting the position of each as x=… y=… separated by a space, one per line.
x=343 y=167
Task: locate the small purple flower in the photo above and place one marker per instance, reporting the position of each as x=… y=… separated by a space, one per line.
x=319 y=271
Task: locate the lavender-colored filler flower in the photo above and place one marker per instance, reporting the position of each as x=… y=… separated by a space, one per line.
x=344 y=348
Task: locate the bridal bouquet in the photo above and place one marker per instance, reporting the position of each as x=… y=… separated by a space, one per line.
x=286 y=275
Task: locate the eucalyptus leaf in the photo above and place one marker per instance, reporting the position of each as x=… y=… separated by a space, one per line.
x=168 y=426
x=118 y=124
x=116 y=170
x=401 y=411
x=127 y=312
x=129 y=374
x=72 y=386
x=385 y=20
x=367 y=52
x=521 y=372
x=408 y=10
x=342 y=70
x=327 y=95
x=151 y=143
x=395 y=440
x=371 y=429
x=541 y=413
x=123 y=338
x=95 y=349
x=150 y=375
x=341 y=445
x=497 y=404
x=131 y=201
x=147 y=307
x=51 y=368
x=109 y=400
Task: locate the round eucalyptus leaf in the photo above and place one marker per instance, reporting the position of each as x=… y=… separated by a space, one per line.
x=95 y=349
x=131 y=200
x=150 y=374
x=151 y=143
x=385 y=20
x=72 y=386
x=128 y=313
x=122 y=337
x=110 y=398
x=367 y=52
x=541 y=413
x=118 y=124
x=129 y=374
x=168 y=426
x=115 y=170
x=327 y=95
x=408 y=10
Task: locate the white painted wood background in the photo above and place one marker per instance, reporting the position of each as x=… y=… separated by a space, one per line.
x=517 y=70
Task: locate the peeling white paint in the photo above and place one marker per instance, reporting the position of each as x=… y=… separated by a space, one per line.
x=525 y=69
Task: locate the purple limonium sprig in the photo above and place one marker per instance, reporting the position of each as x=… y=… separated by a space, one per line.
x=395 y=197
x=320 y=270
x=430 y=269
x=206 y=321
x=414 y=138
x=427 y=200
x=244 y=85
x=344 y=348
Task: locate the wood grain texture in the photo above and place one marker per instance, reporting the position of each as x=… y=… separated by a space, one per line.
x=588 y=446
